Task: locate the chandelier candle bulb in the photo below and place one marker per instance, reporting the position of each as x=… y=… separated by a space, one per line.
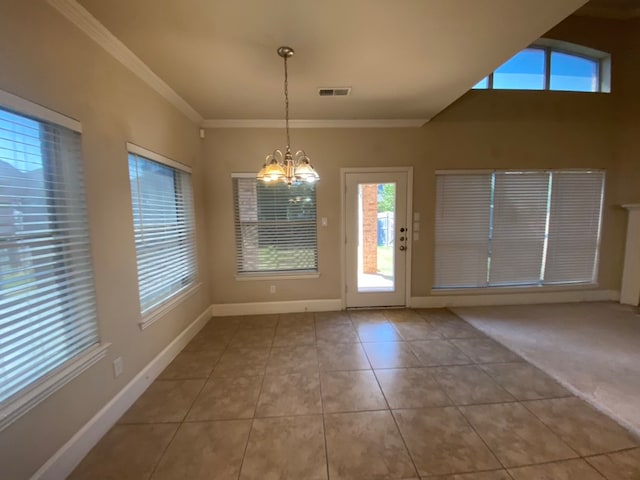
x=287 y=167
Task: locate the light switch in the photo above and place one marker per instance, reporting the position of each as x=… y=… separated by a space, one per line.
x=324 y=221
x=416 y=236
x=416 y=216
x=416 y=226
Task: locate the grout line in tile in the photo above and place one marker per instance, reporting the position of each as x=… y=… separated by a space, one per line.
x=480 y=404
x=216 y=420
x=255 y=409
x=404 y=442
x=578 y=456
x=149 y=423
x=619 y=450
x=468 y=472
x=368 y=410
x=597 y=470
x=164 y=451
x=155 y=467
x=324 y=424
x=553 y=462
x=457 y=407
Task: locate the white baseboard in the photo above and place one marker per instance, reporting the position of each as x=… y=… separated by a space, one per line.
x=432 y=301
x=528 y=298
x=292 y=306
x=62 y=463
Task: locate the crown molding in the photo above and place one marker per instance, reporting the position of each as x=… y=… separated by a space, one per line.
x=372 y=123
x=86 y=22
x=82 y=18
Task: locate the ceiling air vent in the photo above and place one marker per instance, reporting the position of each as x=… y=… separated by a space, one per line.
x=334 y=92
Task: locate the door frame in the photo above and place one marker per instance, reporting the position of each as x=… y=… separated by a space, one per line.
x=343 y=226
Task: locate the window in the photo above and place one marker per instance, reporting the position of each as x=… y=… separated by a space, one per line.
x=164 y=228
x=482 y=84
x=48 y=323
x=573 y=73
x=525 y=71
x=275 y=227
x=552 y=65
x=517 y=228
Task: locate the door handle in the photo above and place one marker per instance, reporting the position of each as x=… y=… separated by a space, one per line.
x=402 y=248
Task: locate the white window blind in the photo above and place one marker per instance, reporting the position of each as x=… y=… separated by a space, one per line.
x=164 y=229
x=574 y=227
x=520 y=203
x=275 y=225
x=462 y=229
x=517 y=228
x=47 y=298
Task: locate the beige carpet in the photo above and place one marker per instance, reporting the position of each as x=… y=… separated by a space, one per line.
x=591 y=348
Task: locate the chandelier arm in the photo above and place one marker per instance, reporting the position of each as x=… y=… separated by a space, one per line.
x=300 y=155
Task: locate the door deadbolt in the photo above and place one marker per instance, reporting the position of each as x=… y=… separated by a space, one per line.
x=402 y=248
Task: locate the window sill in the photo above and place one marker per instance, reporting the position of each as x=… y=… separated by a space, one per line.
x=512 y=289
x=249 y=277
x=51 y=383
x=158 y=312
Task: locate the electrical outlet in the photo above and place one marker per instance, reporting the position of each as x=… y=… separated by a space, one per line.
x=272 y=289
x=117 y=367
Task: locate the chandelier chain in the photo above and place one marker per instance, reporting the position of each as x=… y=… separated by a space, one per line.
x=284 y=166
x=286 y=101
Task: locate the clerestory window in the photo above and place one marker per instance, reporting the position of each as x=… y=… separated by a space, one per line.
x=552 y=65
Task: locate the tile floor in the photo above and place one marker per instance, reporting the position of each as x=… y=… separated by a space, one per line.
x=386 y=394
x=592 y=346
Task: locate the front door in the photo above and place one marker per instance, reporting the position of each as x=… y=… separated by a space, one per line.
x=376 y=238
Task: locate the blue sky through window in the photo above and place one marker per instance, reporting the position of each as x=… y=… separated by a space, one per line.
x=572 y=73
x=525 y=71
x=484 y=83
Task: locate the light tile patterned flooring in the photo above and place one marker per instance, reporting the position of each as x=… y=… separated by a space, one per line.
x=384 y=394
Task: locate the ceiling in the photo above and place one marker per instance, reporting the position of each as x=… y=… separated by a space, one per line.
x=406 y=59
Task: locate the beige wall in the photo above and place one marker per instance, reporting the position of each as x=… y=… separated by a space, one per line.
x=242 y=150
x=628 y=140
x=622 y=39
x=47 y=60
x=483 y=129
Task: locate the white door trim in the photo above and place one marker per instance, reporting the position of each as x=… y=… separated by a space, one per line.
x=343 y=227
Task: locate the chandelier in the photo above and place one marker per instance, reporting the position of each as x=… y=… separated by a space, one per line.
x=287 y=167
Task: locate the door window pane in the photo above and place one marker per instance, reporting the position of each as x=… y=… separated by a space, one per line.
x=376 y=237
x=525 y=71
x=573 y=73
